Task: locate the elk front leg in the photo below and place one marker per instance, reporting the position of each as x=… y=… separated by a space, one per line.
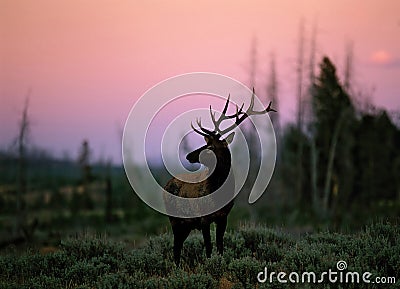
x=221 y=226
x=180 y=235
x=207 y=239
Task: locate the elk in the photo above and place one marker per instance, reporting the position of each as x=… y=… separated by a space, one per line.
x=219 y=147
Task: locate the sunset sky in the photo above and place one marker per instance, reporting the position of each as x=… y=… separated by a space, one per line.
x=85 y=63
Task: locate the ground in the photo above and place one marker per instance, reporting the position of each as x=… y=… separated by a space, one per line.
x=93 y=261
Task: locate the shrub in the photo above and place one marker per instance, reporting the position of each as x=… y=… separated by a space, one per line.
x=85 y=272
x=162 y=245
x=245 y=271
x=93 y=262
x=150 y=263
x=87 y=246
x=121 y=280
x=215 y=266
x=191 y=281
x=235 y=248
x=44 y=281
x=193 y=251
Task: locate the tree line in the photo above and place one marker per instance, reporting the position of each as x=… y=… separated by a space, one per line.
x=350 y=156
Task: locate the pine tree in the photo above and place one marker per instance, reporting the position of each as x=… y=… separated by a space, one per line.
x=334 y=120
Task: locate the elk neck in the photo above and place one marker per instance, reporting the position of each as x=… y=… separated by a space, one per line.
x=221 y=171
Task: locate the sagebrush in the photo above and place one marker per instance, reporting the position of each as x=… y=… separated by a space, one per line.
x=97 y=262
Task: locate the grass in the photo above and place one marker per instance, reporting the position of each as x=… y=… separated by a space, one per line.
x=89 y=261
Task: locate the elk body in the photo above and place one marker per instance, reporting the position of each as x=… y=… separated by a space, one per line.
x=216 y=147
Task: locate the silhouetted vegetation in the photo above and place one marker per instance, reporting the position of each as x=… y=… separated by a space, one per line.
x=90 y=261
x=350 y=159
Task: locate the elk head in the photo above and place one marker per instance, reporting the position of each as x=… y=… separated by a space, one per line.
x=216 y=148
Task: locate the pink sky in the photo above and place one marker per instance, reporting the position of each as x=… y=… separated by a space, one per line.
x=86 y=62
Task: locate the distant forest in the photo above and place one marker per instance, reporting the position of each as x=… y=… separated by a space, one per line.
x=337 y=166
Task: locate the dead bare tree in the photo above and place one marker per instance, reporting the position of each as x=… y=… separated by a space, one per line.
x=108 y=192
x=313 y=147
x=331 y=158
x=348 y=68
x=300 y=147
x=22 y=183
x=272 y=94
x=24 y=228
x=253 y=63
x=248 y=130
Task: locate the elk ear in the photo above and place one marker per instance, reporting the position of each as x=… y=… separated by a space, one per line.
x=207 y=139
x=229 y=138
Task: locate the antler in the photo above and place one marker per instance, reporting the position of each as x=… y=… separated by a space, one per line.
x=239 y=117
x=205 y=132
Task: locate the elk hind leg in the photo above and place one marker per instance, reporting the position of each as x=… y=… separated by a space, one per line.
x=207 y=239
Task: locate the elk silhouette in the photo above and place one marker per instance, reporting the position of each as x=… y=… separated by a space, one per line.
x=216 y=147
